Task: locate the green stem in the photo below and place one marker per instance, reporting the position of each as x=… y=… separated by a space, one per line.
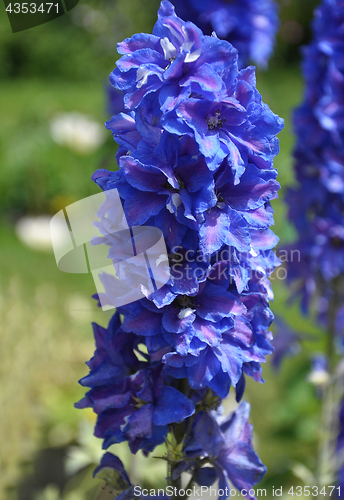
x=330 y=405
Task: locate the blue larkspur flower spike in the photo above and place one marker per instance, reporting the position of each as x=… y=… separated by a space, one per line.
x=317 y=203
x=196 y=150
x=316 y=208
x=286 y=342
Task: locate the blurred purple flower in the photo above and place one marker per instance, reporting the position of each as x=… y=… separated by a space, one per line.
x=317 y=203
x=286 y=342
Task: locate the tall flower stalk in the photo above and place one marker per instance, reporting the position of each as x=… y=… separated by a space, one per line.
x=196 y=150
x=317 y=206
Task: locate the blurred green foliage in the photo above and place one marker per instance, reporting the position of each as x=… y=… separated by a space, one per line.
x=46 y=450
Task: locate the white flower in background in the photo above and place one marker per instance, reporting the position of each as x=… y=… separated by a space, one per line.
x=319 y=374
x=34 y=232
x=86 y=453
x=91 y=19
x=78 y=132
x=79 y=308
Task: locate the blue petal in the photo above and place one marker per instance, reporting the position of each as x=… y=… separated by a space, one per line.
x=140 y=176
x=110 y=461
x=206 y=476
x=224 y=226
x=172 y=406
x=208 y=434
x=215 y=303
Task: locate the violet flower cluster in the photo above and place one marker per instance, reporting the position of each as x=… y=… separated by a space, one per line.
x=196 y=150
x=316 y=208
x=316 y=205
x=249 y=25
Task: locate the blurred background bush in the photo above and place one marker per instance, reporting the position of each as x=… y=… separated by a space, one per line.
x=52 y=77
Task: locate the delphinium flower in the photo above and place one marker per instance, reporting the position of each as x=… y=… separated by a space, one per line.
x=249 y=25
x=317 y=202
x=286 y=342
x=196 y=149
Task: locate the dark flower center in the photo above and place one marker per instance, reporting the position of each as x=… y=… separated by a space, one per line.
x=181 y=183
x=215 y=121
x=184 y=302
x=167 y=185
x=336 y=242
x=174 y=258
